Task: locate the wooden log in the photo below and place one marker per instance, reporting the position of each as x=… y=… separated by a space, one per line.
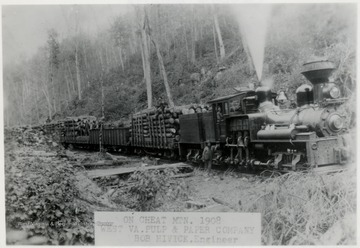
x=170 y=130
x=171 y=120
x=128 y=184
x=216 y=208
x=195 y=205
x=167 y=125
x=198 y=109
x=170 y=110
x=108 y=163
x=146 y=111
x=167 y=135
x=164 y=116
x=183 y=175
x=185 y=111
x=223 y=203
x=120 y=171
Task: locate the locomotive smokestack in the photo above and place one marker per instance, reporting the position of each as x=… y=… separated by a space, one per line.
x=264 y=98
x=318 y=73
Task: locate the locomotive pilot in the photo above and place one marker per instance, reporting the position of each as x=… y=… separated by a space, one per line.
x=207 y=156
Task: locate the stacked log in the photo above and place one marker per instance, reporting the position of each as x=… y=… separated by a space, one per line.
x=158 y=127
x=78 y=126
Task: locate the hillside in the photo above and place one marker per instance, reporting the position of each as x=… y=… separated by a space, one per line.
x=65 y=77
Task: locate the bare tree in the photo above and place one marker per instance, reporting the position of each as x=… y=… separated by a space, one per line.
x=77 y=50
x=218 y=31
x=215 y=48
x=155 y=42
x=193 y=36
x=146 y=55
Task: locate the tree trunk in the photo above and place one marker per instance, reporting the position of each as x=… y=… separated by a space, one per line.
x=68 y=89
x=52 y=85
x=107 y=58
x=77 y=66
x=48 y=101
x=102 y=109
x=101 y=59
x=186 y=43
x=121 y=58
x=147 y=72
x=134 y=44
x=71 y=78
x=87 y=67
x=163 y=72
x=142 y=58
x=215 y=48
x=37 y=104
x=22 y=106
x=221 y=43
x=193 y=37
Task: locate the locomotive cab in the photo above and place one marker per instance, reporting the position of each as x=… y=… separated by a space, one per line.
x=223 y=108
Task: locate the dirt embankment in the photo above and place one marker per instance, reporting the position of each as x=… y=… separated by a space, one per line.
x=50 y=200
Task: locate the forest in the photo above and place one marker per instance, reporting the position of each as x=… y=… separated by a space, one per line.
x=182 y=54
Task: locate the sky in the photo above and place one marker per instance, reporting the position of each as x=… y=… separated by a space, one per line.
x=24 y=27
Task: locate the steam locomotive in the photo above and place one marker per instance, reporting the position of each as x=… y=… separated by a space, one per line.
x=246 y=130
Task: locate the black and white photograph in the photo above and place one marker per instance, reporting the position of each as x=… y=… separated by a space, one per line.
x=179 y=124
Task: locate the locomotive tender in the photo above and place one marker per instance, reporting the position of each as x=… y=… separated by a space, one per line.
x=246 y=129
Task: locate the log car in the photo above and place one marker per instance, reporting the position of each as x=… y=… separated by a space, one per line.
x=72 y=133
x=155 y=131
x=112 y=139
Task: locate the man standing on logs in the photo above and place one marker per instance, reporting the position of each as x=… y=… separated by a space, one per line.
x=162 y=105
x=207 y=156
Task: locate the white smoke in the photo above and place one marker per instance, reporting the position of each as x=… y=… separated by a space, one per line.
x=268 y=82
x=253 y=20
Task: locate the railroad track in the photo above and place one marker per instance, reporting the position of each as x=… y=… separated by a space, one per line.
x=126 y=164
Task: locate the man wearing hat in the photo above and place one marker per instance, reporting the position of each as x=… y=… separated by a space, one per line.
x=207 y=155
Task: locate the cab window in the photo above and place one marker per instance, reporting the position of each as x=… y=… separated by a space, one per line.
x=235 y=104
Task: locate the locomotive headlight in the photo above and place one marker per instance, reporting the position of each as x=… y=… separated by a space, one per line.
x=335 y=92
x=336 y=122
